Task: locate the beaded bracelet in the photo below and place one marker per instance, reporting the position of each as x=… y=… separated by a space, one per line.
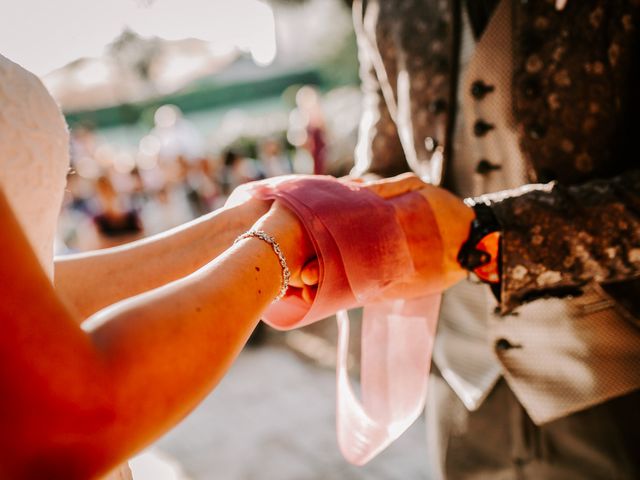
x=286 y=273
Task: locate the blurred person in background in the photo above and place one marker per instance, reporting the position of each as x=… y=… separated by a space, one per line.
x=308 y=103
x=178 y=137
x=203 y=191
x=273 y=159
x=83 y=146
x=237 y=170
x=113 y=223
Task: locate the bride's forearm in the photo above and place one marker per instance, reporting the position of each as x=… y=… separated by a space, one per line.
x=167 y=348
x=137 y=368
x=91 y=281
x=83 y=400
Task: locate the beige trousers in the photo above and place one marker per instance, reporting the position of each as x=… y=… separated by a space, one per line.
x=500 y=442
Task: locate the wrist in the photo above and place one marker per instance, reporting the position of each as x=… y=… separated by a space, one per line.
x=275 y=246
x=285 y=227
x=453 y=218
x=480 y=253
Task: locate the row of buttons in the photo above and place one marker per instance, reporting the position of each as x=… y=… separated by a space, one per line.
x=479 y=90
x=502 y=345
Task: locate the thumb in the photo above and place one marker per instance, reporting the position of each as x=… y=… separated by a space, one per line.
x=392 y=187
x=310 y=272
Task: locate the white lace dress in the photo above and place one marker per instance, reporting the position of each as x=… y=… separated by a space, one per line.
x=34 y=159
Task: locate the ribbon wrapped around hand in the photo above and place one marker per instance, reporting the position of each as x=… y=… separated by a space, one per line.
x=366 y=250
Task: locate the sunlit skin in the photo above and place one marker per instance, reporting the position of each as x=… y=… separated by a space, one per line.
x=93 y=280
x=453 y=218
x=77 y=400
x=85 y=387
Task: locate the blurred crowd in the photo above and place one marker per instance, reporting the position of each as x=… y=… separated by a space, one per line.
x=115 y=196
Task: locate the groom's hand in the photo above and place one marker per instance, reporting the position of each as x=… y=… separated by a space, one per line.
x=394 y=186
x=453 y=219
x=385 y=188
x=451 y=214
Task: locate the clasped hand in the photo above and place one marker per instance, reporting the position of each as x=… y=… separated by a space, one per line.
x=451 y=216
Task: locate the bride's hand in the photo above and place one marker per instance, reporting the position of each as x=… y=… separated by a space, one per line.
x=295 y=244
x=394 y=186
x=246 y=213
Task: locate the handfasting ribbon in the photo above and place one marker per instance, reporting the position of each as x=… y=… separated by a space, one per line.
x=364 y=255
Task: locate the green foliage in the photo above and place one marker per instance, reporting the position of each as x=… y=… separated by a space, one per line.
x=201 y=99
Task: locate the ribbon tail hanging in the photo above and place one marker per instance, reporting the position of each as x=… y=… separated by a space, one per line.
x=397 y=339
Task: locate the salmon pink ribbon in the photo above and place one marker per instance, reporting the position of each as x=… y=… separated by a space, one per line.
x=364 y=255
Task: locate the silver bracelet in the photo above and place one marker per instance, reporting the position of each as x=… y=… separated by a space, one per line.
x=286 y=273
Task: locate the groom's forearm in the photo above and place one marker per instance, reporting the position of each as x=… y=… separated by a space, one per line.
x=93 y=280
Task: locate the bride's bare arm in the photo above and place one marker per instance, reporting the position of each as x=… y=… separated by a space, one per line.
x=77 y=401
x=91 y=281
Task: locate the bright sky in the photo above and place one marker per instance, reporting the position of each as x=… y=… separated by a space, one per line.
x=43 y=35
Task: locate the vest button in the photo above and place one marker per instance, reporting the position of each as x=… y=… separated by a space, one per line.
x=503 y=344
x=485 y=166
x=480 y=128
x=479 y=89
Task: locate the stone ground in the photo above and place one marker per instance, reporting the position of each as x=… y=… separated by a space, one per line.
x=273 y=418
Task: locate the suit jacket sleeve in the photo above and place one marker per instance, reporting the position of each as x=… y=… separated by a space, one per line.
x=379 y=150
x=558 y=238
